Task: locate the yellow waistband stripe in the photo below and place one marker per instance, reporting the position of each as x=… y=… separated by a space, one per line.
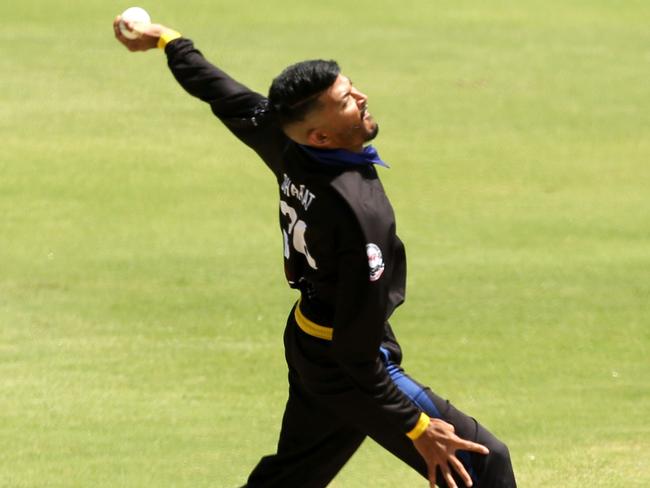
x=167 y=37
x=420 y=427
x=312 y=328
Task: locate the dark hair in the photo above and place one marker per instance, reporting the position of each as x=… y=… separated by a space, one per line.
x=294 y=92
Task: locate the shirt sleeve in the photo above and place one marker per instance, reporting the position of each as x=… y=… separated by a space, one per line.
x=243 y=111
x=359 y=321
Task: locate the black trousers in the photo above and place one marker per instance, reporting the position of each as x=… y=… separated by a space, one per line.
x=324 y=424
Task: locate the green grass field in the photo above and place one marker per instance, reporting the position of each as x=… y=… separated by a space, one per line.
x=142 y=299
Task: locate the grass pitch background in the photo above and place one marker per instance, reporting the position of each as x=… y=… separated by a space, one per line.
x=141 y=292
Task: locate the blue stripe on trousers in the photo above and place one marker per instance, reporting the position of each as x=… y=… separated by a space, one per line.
x=418 y=395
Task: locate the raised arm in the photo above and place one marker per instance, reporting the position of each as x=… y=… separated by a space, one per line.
x=244 y=111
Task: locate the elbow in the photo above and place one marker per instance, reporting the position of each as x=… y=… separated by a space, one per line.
x=353 y=358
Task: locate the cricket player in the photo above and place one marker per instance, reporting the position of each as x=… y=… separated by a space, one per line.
x=342 y=253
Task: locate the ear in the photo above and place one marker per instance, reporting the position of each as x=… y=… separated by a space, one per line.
x=318 y=138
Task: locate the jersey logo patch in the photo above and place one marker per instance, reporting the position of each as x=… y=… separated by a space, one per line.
x=375 y=261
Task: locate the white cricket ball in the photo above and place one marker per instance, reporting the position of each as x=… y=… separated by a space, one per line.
x=135 y=15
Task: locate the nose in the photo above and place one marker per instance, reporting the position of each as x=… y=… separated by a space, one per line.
x=360 y=97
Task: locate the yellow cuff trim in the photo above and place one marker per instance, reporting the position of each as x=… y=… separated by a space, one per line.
x=420 y=427
x=312 y=328
x=167 y=37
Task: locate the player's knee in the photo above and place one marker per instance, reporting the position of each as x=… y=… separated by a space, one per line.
x=498 y=467
x=499 y=453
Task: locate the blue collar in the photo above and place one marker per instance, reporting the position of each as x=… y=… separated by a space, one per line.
x=342 y=157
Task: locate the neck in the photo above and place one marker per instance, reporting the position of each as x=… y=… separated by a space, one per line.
x=353 y=149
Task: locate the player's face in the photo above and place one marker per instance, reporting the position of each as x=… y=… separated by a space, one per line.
x=344 y=116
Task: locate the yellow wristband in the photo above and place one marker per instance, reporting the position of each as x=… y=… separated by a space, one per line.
x=420 y=427
x=167 y=37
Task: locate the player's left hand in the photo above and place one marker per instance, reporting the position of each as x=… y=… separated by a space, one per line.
x=438 y=445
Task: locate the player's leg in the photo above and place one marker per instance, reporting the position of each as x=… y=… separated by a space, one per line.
x=314 y=445
x=493 y=470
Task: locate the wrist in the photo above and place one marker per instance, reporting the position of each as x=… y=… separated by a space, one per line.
x=420 y=427
x=167 y=36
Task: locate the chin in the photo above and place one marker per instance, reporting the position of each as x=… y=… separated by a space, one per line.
x=372 y=132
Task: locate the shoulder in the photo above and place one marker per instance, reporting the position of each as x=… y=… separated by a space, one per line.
x=364 y=194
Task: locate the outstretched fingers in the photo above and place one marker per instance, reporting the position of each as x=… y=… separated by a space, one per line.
x=438 y=445
x=462 y=444
x=460 y=469
x=465 y=445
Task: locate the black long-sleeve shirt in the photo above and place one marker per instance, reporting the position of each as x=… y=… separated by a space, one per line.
x=340 y=246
